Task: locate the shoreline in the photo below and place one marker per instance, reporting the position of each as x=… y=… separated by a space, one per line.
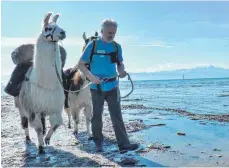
x=192 y=116
x=156 y=132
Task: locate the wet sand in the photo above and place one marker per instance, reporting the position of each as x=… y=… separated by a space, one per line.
x=156 y=132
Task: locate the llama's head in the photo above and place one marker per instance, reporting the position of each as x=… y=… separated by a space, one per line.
x=87 y=40
x=50 y=31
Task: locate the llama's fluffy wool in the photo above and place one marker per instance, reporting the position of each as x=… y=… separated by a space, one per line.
x=43 y=93
x=81 y=101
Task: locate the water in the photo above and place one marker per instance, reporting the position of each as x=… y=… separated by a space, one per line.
x=200 y=96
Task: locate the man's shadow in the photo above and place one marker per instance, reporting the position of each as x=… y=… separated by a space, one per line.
x=111 y=151
x=54 y=158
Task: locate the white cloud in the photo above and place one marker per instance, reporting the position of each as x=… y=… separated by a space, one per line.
x=77 y=41
x=73 y=41
x=14 y=42
x=126 y=39
x=150 y=45
x=211 y=24
x=155 y=43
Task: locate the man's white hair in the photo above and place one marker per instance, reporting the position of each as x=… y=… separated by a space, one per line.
x=108 y=22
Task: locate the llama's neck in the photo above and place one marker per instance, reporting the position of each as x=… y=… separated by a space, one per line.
x=47 y=54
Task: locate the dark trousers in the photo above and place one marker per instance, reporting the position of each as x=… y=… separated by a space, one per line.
x=114 y=107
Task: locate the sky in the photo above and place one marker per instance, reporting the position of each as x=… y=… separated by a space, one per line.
x=154 y=36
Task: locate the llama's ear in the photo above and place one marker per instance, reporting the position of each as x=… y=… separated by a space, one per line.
x=96 y=34
x=84 y=36
x=46 y=19
x=54 y=19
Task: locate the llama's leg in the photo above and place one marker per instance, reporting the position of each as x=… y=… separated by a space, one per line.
x=88 y=116
x=24 y=124
x=67 y=110
x=55 y=121
x=35 y=120
x=66 y=104
x=50 y=133
x=75 y=115
x=43 y=123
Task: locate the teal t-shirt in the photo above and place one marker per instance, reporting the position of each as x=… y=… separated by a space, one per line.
x=101 y=65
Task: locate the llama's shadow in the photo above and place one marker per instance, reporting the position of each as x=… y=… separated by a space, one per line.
x=111 y=151
x=54 y=158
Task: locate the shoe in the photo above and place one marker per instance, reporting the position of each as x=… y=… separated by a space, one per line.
x=129 y=147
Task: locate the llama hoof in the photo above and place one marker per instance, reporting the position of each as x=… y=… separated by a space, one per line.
x=41 y=150
x=27 y=139
x=69 y=126
x=47 y=141
x=90 y=138
x=75 y=133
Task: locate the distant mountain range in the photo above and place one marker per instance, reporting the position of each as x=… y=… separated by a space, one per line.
x=198 y=72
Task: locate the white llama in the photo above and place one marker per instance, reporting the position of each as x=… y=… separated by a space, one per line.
x=41 y=93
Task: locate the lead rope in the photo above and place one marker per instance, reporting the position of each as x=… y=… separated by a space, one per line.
x=132 y=87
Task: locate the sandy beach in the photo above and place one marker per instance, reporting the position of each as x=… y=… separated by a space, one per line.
x=166 y=139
